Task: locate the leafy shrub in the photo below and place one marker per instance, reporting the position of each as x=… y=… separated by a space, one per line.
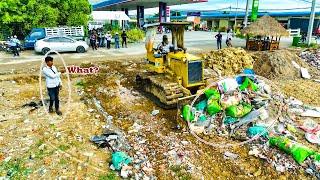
x=223 y=29
x=135 y=35
x=1 y=37
x=240 y=35
x=197 y=27
x=112 y=28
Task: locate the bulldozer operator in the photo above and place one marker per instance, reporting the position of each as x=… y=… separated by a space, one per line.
x=164 y=47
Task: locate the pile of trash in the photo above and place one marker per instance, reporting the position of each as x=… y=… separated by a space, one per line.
x=230 y=104
x=228 y=61
x=245 y=109
x=311 y=57
x=277 y=64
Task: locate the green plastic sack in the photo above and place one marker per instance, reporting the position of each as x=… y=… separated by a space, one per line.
x=239 y=111
x=297 y=151
x=212 y=93
x=213 y=106
x=317 y=157
x=187 y=113
x=229 y=120
x=248 y=84
x=119 y=159
x=255 y=130
x=202 y=105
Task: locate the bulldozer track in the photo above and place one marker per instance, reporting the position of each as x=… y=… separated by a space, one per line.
x=163 y=88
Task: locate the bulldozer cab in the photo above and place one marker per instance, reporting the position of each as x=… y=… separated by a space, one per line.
x=177 y=34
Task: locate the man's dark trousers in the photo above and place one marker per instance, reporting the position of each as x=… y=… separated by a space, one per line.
x=219 y=44
x=54 y=97
x=124 y=42
x=108 y=44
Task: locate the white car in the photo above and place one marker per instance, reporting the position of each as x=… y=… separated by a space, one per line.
x=60 y=44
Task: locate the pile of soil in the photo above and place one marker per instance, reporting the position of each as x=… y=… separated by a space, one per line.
x=229 y=61
x=277 y=64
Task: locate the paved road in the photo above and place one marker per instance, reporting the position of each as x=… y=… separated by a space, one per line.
x=195 y=42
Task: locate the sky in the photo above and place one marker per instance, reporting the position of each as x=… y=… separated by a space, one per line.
x=275 y=5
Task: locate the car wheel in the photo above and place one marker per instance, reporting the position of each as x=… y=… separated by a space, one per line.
x=45 y=50
x=80 y=49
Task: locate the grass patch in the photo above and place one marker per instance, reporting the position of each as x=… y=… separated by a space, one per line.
x=63 y=147
x=39 y=143
x=52 y=126
x=63 y=162
x=181 y=172
x=42 y=154
x=14 y=169
x=81 y=83
x=304 y=45
x=109 y=176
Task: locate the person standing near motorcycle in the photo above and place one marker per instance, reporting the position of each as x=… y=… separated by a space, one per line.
x=15 y=44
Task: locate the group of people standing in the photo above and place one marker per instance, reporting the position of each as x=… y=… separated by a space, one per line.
x=14 y=45
x=228 y=39
x=101 y=40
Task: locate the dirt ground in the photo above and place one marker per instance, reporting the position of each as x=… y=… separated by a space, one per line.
x=35 y=145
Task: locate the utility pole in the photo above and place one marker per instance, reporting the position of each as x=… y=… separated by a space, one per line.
x=247 y=14
x=311 y=21
x=235 y=18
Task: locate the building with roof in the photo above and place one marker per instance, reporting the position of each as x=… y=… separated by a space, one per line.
x=140 y=5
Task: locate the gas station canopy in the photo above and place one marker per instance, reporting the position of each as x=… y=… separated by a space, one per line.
x=109 y=15
x=108 y=5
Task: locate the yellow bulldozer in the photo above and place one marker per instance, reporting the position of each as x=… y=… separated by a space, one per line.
x=170 y=74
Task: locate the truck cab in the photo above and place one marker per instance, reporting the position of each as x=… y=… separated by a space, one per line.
x=35 y=34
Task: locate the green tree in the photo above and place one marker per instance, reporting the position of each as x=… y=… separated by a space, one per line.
x=20 y=16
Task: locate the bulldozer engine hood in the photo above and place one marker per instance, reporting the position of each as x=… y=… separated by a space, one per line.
x=183 y=56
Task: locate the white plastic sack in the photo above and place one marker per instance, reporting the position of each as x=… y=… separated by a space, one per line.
x=227 y=85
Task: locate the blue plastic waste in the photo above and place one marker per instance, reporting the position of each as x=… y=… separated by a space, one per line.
x=119 y=159
x=202 y=105
x=250 y=74
x=229 y=120
x=255 y=130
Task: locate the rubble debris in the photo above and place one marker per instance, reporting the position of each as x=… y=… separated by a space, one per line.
x=305 y=73
x=310 y=126
x=35 y=105
x=312 y=57
x=230 y=155
x=313 y=138
x=155 y=112
x=229 y=61
x=311 y=113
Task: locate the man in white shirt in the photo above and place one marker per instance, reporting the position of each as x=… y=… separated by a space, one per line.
x=15 y=43
x=108 y=39
x=229 y=38
x=54 y=84
x=164 y=46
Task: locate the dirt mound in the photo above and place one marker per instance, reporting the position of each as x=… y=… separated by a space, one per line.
x=277 y=64
x=228 y=61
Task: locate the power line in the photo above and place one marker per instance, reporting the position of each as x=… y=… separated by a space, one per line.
x=304 y=1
